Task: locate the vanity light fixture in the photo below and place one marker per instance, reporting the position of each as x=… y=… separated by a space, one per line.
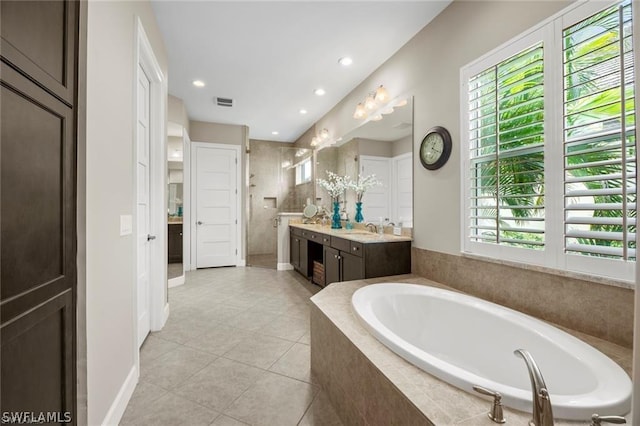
x=345 y=61
x=375 y=104
x=286 y=164
x=319 y=92
x=401 y=103
x=324 y=134
x=198 y=83
x=315 y=141
x=360 y=112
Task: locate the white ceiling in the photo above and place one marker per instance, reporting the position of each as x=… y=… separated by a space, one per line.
x=269 y=57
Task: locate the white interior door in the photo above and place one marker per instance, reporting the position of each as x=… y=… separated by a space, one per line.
x=402 y=194
x=143 y=239
x=216 y=200
x=375 y=203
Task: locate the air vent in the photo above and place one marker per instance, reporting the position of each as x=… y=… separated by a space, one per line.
x=224 y=102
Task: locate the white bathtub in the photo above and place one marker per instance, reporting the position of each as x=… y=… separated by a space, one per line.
x=467 y=341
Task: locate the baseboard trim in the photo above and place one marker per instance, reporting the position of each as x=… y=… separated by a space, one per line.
x=242 y=262
x=284 y=266
x=175 y=282
x=116 y=411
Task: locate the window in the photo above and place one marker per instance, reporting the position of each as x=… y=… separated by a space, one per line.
x=550 y=174
x=303 y=171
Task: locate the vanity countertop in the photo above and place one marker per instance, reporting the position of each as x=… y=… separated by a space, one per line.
x=357 y=234
x=174 y=221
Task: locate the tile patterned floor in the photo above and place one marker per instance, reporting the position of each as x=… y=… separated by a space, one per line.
x=235 y=351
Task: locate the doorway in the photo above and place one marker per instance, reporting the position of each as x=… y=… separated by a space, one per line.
x=215 y=178
x=176 y=204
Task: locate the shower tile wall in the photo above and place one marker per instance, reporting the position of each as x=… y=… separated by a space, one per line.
x=263 y=190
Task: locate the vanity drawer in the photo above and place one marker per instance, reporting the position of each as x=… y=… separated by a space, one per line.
x=295 y=231
x=315 y=237
x=341 y=244
x=356 y=248
x=304 y=233
x=326 y=240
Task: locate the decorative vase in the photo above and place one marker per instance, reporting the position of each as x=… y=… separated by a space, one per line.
x=335 y=219
x=359 y=218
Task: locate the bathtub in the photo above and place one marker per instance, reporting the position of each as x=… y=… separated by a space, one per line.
x=467 y=341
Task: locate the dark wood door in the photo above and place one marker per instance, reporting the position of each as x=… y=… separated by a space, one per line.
x=295 y=252
x=175 y=243
x=352 y=267
x=331 y=265
x=39 y=57
x=304 y=257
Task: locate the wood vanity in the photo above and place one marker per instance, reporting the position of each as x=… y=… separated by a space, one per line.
x=326 y=255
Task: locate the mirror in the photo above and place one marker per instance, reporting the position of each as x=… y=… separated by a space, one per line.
x=383 y=148
x=175 y=206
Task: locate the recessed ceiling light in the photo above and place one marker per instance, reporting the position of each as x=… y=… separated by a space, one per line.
x=275 y=133
x=303 y=111
x=319 y=92
x=198 y=83
x=346 y=61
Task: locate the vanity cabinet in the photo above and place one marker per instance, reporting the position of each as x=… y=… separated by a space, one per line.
x=175 y=243
x=299 y=257
x=342 y=259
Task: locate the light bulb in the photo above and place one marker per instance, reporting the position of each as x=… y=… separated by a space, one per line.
x=386 y=110
x=314 y=141
x=382 y=95
x=324 y=134
x=376 y=117
x=401 y=103
x=360 y=112
x=370 y=103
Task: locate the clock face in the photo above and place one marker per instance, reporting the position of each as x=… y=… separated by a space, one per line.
x=435 y=148
x=432 y=148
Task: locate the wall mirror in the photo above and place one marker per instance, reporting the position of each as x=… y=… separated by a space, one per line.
x=383 y=148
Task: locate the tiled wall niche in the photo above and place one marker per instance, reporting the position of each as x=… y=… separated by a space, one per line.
x=601 y=310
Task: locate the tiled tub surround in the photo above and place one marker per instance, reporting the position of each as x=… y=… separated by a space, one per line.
x=597 y=308
x=369 y=384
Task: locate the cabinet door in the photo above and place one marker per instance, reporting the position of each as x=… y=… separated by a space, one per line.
x=294 y=255
x=352 y=267
x=304 y=257
x=331 y=265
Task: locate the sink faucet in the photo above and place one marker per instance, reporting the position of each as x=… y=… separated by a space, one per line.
x=542 y=411
x=369 y=225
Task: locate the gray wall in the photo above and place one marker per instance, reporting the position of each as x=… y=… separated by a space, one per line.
x=110 y=267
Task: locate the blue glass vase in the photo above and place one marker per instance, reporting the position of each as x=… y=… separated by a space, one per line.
x=359 y=218
x=335 y=219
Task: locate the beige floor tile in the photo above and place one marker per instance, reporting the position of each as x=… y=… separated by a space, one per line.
x=217 y=385
x=175 y=367
x=296 y=363
x=154 y=347
x=223 y=420
x=183 y=330
x=259 y=350
x=286 y=328
x=320 y=413
x=251 y=320
x=273 y=400
x=305 y=339
x=219 y=339
x=171 y=409
x=144 y=395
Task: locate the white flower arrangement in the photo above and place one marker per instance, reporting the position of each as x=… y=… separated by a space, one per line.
x=362 y=184
x=335 y=185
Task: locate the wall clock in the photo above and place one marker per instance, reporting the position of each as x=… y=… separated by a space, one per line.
x=435 y=148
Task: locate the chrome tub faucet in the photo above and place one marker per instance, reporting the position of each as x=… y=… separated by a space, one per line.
x=542 y=410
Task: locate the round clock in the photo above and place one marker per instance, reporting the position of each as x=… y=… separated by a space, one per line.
x=435 y=148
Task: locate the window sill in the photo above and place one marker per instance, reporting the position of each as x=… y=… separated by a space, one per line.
x=569 y=274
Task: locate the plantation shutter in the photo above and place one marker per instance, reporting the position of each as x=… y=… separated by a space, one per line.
x=506 y=141
x=599 y=144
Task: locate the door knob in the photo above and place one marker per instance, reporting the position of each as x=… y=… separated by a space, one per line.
x=150 y=237
x=199 y=223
